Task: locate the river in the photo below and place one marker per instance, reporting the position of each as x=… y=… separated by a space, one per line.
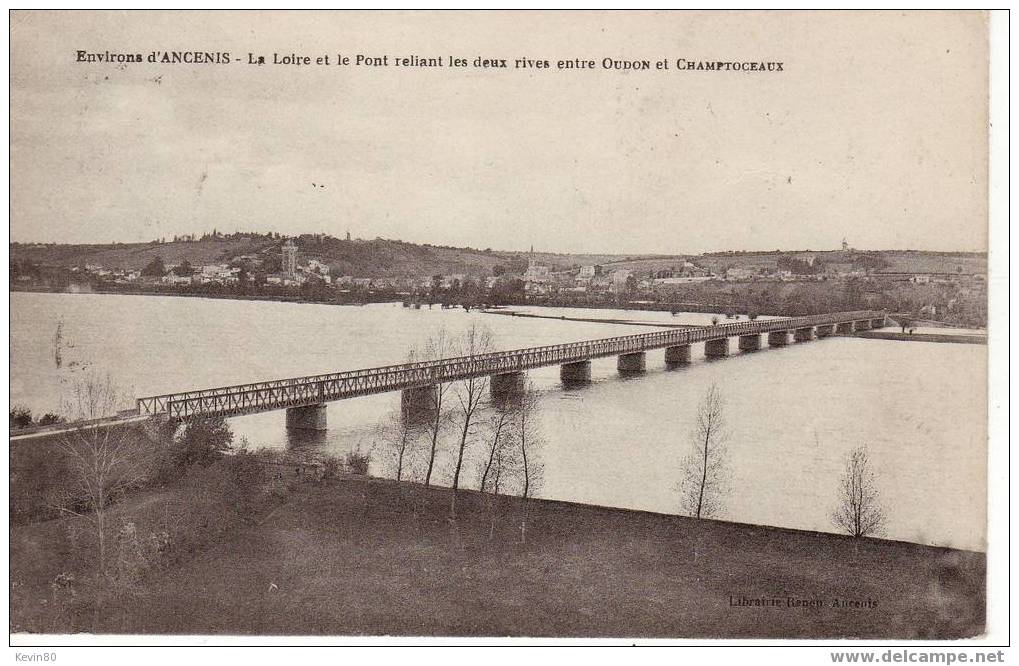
x=792 y=413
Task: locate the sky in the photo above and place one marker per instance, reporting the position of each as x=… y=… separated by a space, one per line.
x=875 y=130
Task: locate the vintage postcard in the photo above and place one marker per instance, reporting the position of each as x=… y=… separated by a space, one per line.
x=630 y=325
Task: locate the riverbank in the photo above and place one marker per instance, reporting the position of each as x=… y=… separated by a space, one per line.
x=330 y=298
x=272 y=298
x=391 y=297
x=961 y=338
x=366 y=556
x=627 y=322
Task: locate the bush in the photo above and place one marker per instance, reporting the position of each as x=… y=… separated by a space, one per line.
x=201 y=442
x=235 y=490
x=247 y=491
x=330 y=468
x=21 y=417
x=49 y=418
x=239 y=482
x=133 y=554
x=357 y=462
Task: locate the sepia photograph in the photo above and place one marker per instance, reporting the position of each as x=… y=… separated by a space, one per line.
x=496 y=325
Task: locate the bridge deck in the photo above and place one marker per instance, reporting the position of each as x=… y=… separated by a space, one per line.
x=315 y=389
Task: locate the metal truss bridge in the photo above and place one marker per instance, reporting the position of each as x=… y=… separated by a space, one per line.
x=299 y=392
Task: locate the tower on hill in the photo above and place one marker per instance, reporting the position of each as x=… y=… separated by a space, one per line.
x=290 y=258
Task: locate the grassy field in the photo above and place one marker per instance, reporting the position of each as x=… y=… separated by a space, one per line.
x=374 y=557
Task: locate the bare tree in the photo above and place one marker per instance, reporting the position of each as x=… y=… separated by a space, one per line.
x=103 y=462
x=436 y=347
x=469 y=391
x=528 y=441
x=496 y=462
x=858 y=512
x=497 y=452
x=397 y=436
x=705 y=468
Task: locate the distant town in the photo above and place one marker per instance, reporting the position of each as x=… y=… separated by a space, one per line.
x=319 y=268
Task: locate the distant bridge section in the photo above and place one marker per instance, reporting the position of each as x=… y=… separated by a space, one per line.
x=304 y=398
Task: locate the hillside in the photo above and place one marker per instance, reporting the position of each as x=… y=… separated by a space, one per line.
x=895 y=261
x=369 y=258
x=383 y=258
x=393 y=258
x=135 y=256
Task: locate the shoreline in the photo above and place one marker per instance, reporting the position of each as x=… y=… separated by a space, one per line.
x=626 y=322
x=636 y=306
x=307 y=463
x=924 y=337
x=218 y=297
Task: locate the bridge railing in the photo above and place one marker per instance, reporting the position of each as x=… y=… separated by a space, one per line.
x=296 y=391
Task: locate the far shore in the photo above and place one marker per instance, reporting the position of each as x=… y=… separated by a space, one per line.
x=229 y=297
x=506 y=310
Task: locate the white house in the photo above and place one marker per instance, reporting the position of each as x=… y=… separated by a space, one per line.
x=536 y=273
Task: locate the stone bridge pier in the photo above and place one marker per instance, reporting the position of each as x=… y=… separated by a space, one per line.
x=804 y=334
x=309 y=417
x=716 y=348
x=632 y=362
x=507 y=386
x=677 y=355
x=417 y=404
x=778 y=338
x=750 y=342
x=575 y=374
